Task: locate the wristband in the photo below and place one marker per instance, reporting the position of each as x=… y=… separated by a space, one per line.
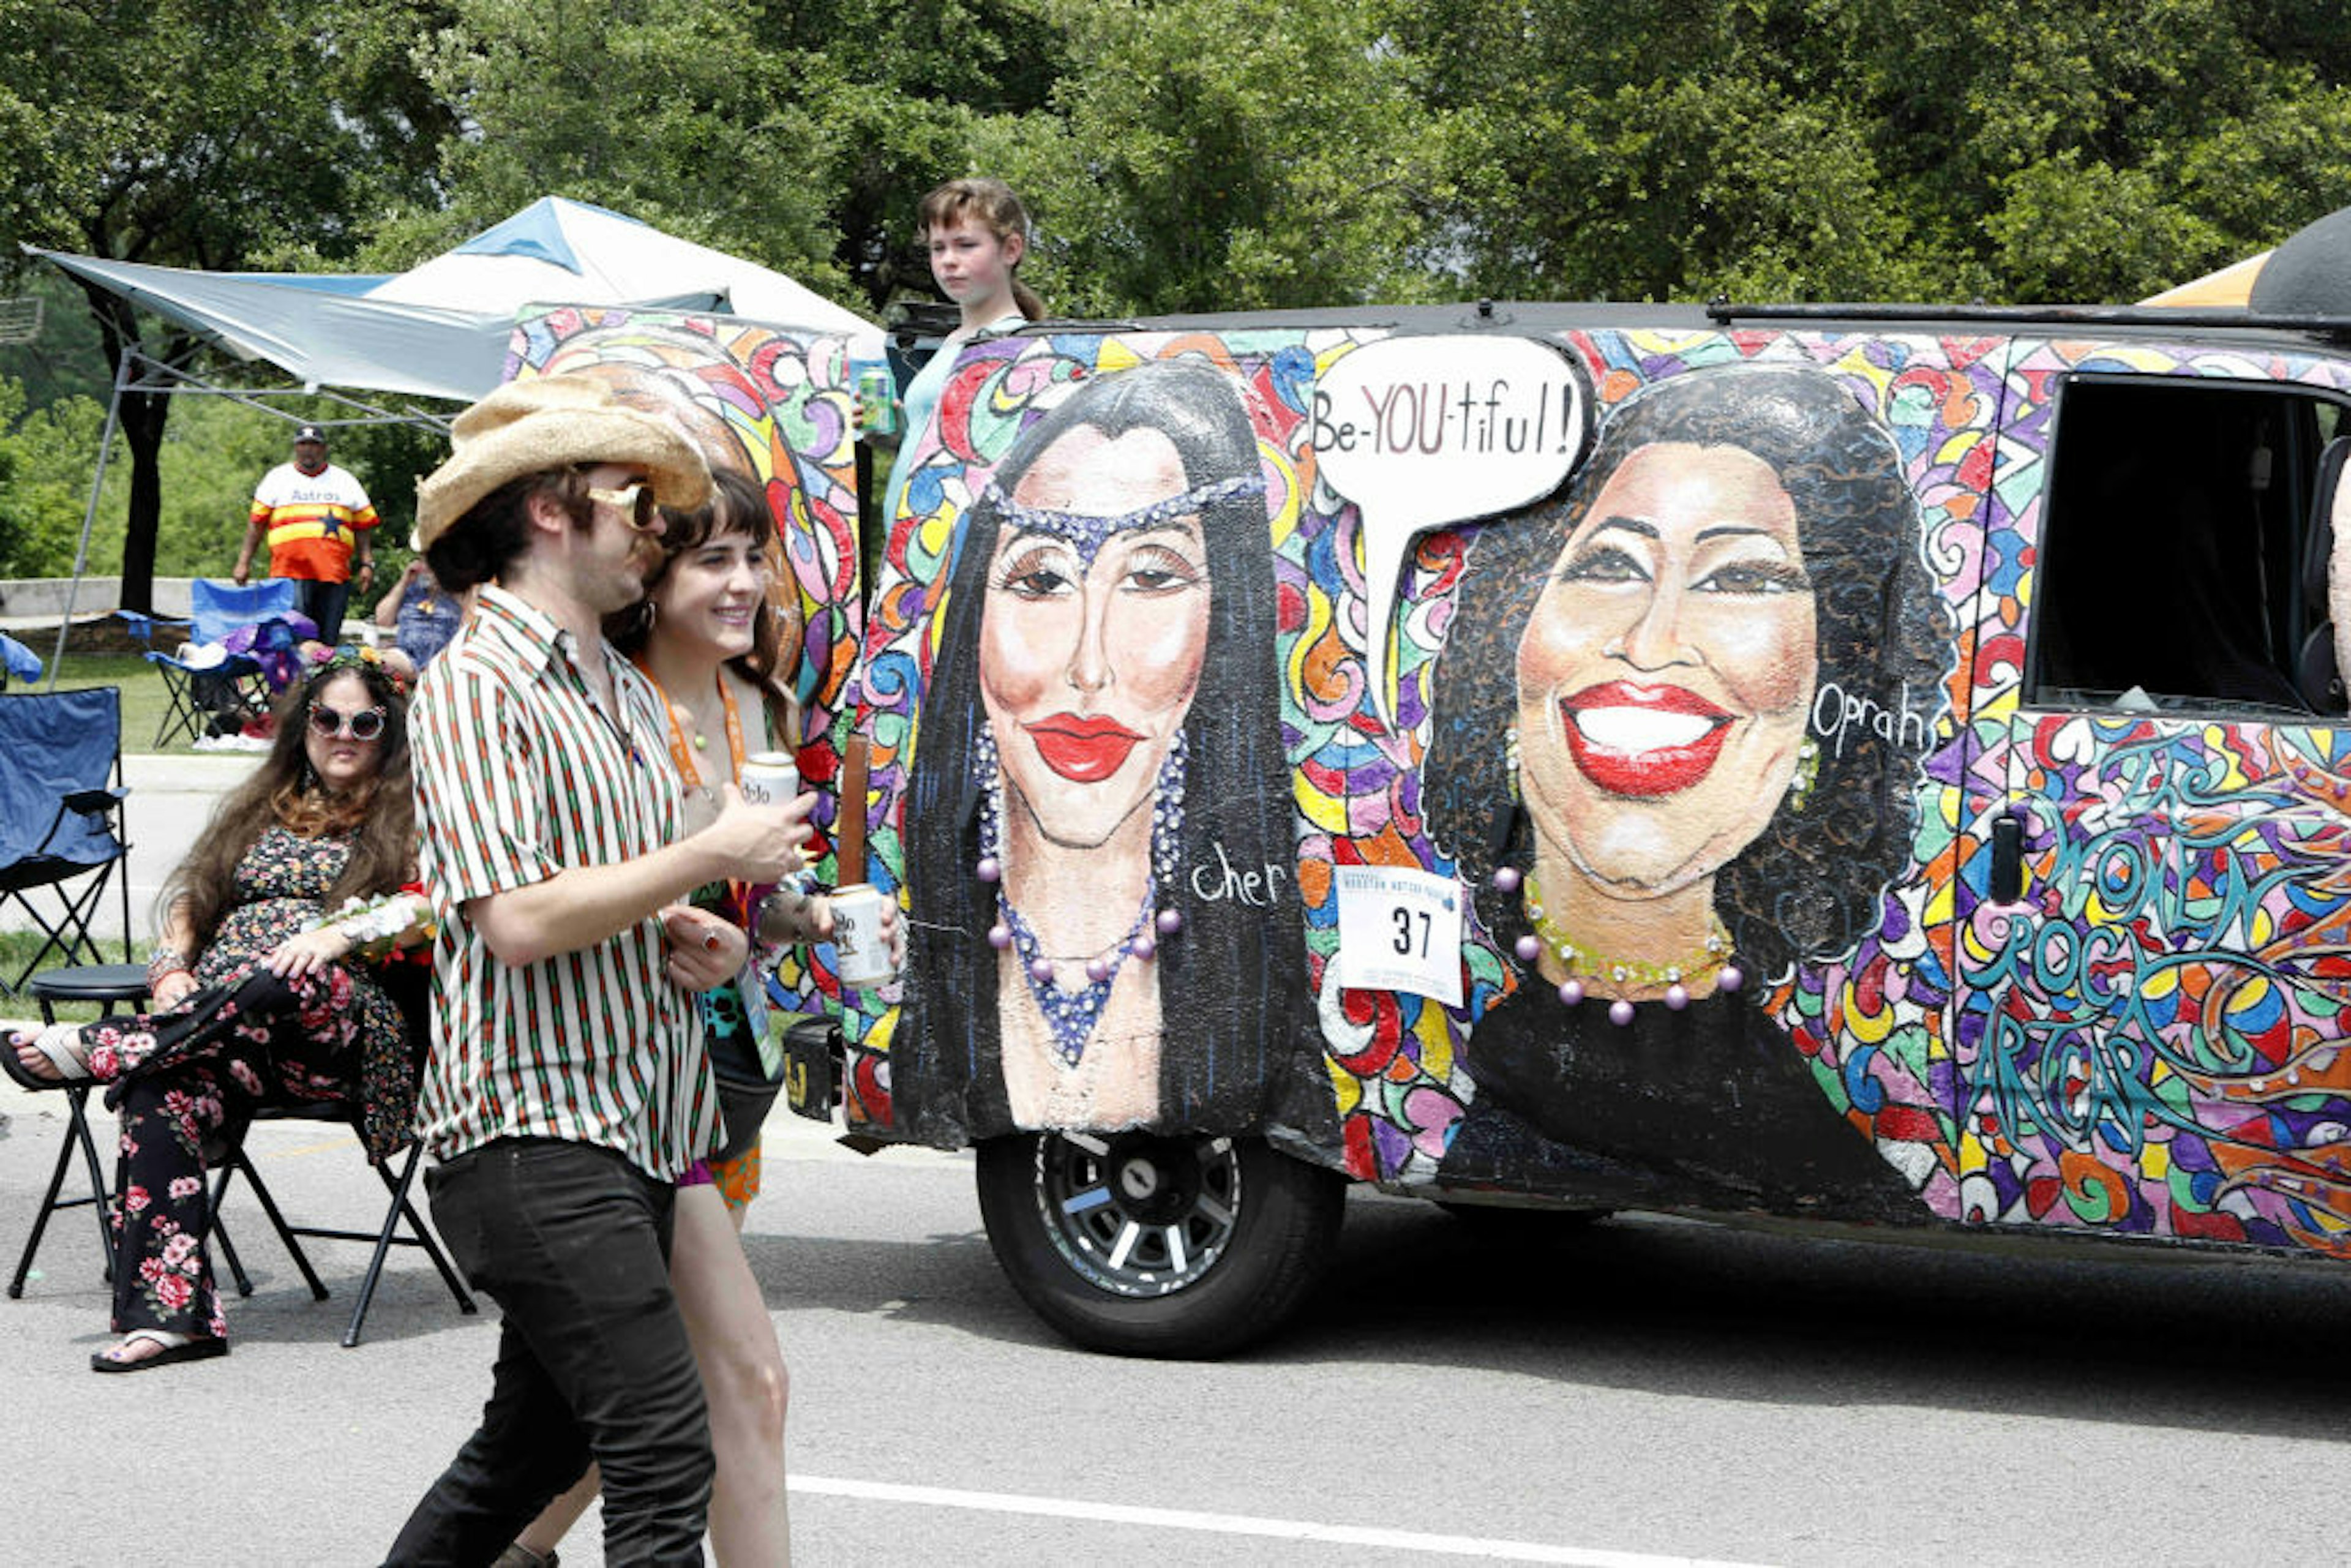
x=166 y=961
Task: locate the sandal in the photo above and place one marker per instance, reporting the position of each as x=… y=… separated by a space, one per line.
x=173 y=1347
x=61 y=1043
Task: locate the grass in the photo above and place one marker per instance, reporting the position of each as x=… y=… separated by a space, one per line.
x=16 y=950
x=143 y=700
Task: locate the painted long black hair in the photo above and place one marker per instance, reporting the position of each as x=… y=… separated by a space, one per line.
x=1810 y=881
x=1235 y=1025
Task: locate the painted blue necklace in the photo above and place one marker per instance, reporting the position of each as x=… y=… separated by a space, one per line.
x=1069 y=1015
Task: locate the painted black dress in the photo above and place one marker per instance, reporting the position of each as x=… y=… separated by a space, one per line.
x=1710 y=1108
x=244 y=1039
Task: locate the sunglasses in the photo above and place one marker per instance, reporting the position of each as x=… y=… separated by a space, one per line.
x=329 y=724
x=636 y=503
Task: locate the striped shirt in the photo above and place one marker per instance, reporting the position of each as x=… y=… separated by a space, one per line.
x=312 y=520
x=520 y=774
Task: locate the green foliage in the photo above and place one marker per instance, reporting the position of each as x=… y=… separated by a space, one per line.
x=1902 y=149
x=1226 y=154
x=663 y=109
x=46 y=458
x=218 y=135
x=1178 y=155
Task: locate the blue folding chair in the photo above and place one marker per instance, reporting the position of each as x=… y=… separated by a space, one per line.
x=198 y=691
x=61 y=818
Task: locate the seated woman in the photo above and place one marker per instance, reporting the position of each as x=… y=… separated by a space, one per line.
x=421 y=614
x=262 y=995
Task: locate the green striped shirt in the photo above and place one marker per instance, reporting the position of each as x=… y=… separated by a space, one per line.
x=521 y=774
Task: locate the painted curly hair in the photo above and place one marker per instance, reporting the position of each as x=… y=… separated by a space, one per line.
x=1810 y=881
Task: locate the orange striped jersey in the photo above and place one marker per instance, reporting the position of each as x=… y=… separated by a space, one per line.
x=521 y=774
x=312 y=520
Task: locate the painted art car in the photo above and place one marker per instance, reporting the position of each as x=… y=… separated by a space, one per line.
x=1876 y=769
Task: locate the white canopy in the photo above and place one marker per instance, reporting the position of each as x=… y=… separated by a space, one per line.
x=440 y=331
x=559 y=252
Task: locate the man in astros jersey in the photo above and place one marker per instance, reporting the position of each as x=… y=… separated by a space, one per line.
x=320 y=523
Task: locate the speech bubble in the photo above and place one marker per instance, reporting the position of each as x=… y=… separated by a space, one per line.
x=1423 y=433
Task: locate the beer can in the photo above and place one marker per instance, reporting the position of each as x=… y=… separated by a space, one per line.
x=770 y=779
x=863 y=955
x=877 y=388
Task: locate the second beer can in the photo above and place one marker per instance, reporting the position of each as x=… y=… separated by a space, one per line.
x=770 y=779
x=857 y=942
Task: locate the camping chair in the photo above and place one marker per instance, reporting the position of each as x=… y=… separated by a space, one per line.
x=203 y=681
x=232 y=1161
x=60 y=818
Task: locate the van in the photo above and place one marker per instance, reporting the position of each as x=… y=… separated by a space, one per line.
x=1882 y=769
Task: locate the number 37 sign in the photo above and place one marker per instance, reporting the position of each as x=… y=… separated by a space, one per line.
x=1400 y=931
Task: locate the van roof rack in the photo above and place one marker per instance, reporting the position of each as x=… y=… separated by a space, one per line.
x=1722 y=309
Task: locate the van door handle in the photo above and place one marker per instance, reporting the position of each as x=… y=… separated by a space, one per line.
x=2006 y=859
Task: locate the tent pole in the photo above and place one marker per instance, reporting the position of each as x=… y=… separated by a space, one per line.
x=89 y=513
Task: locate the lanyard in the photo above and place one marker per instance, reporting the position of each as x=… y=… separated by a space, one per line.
x=678 y=750
x=738 y=898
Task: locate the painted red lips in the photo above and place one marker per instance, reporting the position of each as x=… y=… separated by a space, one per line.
x=1083 y=751
x=1635 y=740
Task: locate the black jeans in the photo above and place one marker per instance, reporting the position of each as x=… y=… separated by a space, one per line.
x=325 y=603
x=572 y=1242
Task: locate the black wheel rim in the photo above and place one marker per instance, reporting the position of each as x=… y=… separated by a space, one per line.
x=1134 y=1214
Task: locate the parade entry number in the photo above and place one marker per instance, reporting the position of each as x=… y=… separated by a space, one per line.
x=1400 y=931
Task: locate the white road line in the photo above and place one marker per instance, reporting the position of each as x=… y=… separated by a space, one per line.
x=1247 y=1524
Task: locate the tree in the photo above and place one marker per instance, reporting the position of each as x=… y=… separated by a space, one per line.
x=1896 y=149
x=800 y=137
x=219 y=134
x=1226 y=154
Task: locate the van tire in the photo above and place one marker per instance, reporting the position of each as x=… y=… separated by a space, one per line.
x=1253 y=1231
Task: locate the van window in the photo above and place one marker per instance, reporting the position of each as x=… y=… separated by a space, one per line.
x=2183 y=556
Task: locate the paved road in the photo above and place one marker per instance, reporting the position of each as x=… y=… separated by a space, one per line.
x=1648 y=1387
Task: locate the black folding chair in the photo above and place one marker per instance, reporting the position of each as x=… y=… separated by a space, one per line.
x=61 y=819
x=403 y=1225
x=110 y=986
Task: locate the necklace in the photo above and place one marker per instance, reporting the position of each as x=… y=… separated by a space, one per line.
x=1070 y=1015
x=1580 y=958
x=681 y=754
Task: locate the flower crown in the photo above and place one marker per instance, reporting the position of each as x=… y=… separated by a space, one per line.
x=325 y=662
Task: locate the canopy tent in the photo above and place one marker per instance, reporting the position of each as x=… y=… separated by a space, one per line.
x=441 y=330
x=321 y=335
x=559 y=252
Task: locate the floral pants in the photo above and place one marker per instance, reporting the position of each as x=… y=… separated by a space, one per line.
x=193 y=1075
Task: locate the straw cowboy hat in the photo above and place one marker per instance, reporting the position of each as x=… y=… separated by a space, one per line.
x=529 y=427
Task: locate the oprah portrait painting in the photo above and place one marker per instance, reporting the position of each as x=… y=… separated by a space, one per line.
x=1101 y=721
x=1623 y=760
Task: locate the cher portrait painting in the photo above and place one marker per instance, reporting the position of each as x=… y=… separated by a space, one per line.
x=1102 y=726
x=1625 y=761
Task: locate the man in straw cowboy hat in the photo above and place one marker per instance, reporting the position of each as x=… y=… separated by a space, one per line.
x=566 y=1090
